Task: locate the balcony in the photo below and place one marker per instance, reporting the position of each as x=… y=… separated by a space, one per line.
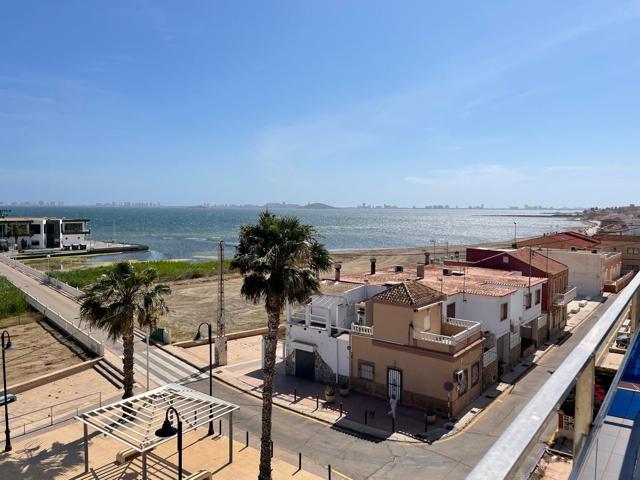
x=489 y=356
x=361 y=330
x=455 y=335
x=562 y=299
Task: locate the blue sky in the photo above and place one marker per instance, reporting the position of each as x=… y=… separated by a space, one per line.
x=342 y=102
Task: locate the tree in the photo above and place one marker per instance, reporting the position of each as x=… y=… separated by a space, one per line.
x=280 y=259
x=117 y=301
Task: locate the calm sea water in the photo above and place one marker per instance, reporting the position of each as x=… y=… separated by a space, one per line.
x=183 y=232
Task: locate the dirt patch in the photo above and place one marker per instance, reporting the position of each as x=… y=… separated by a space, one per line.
x=39 y=349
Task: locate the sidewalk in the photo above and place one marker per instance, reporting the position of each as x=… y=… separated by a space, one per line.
x=58 y=454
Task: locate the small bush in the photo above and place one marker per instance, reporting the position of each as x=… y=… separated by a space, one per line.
x=12 y=302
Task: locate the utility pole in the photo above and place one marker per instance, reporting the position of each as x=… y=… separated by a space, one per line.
x=515 y=234
x=221 y=339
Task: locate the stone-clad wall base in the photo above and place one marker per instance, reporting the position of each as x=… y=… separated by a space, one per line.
x=514 y=354
x=489 y=375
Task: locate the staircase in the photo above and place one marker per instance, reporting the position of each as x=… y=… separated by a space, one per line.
x=113 y=374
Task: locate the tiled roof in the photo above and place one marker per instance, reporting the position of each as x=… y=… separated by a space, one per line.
x=538 y=260
x=554 y=240
x=472 y=280
x=413 y=294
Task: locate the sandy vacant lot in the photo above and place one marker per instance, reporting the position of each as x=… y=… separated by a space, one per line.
x=38 y=349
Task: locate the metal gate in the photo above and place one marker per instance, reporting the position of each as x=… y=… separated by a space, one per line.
x=394 y=383
x=305 y=365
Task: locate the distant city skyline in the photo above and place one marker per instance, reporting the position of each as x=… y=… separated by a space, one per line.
x=419 y=103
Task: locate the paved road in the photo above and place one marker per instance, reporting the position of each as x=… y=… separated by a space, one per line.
x=163 y=367
x=356 y=457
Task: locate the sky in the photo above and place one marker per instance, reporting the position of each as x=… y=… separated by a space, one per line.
x=342 y=102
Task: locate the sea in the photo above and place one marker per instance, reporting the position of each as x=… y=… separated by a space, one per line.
x=193 y=233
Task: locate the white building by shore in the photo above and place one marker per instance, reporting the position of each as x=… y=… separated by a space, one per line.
x=25 y=233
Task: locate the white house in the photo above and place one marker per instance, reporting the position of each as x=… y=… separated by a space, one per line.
x=26 y=233
x=589 y=270
x=317 y=334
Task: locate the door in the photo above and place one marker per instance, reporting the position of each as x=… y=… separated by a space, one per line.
x=394 y=383
x=305 y=365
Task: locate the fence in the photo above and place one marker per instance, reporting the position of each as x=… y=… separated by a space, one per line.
x=41 y=276
x=85 y=339
x=51 y=415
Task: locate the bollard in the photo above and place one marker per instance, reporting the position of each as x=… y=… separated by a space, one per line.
x=295 y=395
x=220 y=427
x=426 y=422
x=246 y=441
x=329 y=472
x=299 y=460
x=365 y=417
x=271 y=446
x=317 y=403
x=393 y=424
x=340 y=409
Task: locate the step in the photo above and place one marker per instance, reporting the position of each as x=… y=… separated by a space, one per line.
x=116 y=381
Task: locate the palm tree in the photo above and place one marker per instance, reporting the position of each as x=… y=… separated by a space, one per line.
x=117 y=301
x=280 y=259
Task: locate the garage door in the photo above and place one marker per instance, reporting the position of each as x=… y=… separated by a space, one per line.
x=305 y=364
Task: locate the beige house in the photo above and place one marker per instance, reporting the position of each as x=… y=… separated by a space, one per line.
x=406 y=347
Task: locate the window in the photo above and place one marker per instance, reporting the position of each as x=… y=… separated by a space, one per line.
x=633 y=251
x=475 y=374
x=366 y=371
x=505 y=259
x=34 y=229
x=538 y=296
x=527 y=300
x=504 y=311
x=461 y=379
x=35 y=243
x=451 y=310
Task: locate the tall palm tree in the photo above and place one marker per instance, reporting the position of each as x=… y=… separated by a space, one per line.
x=117 y=301
x=280 y=259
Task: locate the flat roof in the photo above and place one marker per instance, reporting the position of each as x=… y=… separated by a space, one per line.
x=472 y=280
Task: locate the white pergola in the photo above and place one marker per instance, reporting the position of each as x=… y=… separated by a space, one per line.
x=134 y=421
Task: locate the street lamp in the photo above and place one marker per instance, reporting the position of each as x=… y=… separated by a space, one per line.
x=515 y=234
x=6 y=345
x=197 y=338
x=168 y=430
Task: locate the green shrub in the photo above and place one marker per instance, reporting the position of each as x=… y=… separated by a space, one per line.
x=168 y=270
x=11 y=300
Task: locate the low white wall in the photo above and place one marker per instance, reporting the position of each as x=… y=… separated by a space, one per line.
x=333 y=350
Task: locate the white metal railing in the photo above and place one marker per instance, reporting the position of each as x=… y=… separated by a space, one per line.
x=512 y=448
x=313 y=318
x=361 y=329
x=490 y=356
x=562 y=299
x=514 y=339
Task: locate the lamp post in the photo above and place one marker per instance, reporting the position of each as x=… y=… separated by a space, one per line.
x=515 y=234
x=6 y=345
x=168 y=430
x=197 y=338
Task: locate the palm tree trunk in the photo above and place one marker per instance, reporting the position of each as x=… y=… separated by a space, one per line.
x=127 y=361
x=271 y=343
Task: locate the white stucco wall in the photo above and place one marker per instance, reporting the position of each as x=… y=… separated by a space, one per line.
x=333 y=350
x=586 y=270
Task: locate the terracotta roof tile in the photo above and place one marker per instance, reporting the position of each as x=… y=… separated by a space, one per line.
x=413 y=294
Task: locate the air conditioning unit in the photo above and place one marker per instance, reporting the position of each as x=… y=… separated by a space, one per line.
x=459 y=376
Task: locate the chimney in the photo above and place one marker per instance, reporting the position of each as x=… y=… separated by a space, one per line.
x=426 y=258
x=373 y=265
x=338 y=267
x=420 y=270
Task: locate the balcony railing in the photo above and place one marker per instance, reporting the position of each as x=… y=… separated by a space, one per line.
x=361 y=329
x=470 y=329
x=562 y=299
x=489 y=356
